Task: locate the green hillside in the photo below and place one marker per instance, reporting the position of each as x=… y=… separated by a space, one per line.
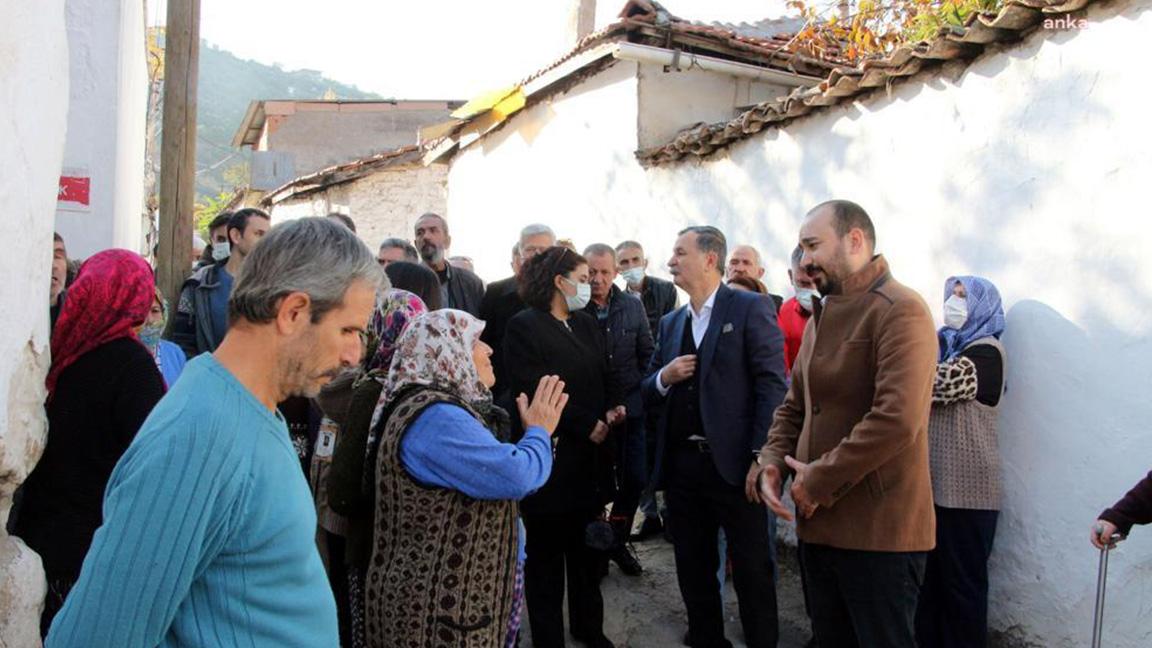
x=227 y=85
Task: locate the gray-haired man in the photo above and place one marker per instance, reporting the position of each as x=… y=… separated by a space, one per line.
x=501 y=302
x=209 y=526
x=396 y=249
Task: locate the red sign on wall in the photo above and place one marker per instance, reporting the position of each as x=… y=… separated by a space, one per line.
x=75 y=192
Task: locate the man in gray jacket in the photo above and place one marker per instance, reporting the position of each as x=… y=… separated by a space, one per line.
x=201 y=318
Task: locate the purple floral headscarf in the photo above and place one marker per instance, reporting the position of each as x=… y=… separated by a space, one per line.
x=395 y=308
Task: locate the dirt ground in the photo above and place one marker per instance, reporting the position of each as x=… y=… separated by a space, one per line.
x=647 y=612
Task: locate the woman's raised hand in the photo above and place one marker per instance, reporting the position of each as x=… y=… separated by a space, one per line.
x=546 y=406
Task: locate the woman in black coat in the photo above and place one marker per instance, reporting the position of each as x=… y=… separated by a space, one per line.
x=102 y=384
x=553 y=336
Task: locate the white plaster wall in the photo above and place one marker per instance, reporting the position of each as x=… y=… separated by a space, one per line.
x=568 y=162
x=671 y=101
x=106 y=123
x=34 y=89
x=1030 y=168
x=383 y=204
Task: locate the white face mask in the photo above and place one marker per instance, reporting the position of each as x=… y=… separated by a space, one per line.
x=955 y=312
x=581 y=298
x=634 y=276
x=806 y=296
x=220 y=251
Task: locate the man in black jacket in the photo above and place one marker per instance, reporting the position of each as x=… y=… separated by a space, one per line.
x=501 y=302
x=659 y=298
x=629 y=346
x=461 y=289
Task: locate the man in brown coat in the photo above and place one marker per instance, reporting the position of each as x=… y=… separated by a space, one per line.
x=852 y=433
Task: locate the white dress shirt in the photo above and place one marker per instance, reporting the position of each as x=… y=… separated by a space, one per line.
x=700 y=322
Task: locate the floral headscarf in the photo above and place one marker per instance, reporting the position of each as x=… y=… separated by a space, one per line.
x=985 y=316
x=395 y=308
x=436 y=350
x=111 y=296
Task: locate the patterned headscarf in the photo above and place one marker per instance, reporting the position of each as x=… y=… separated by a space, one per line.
x=111 y=296
x=985 y=316
x=436 y=350
x=395 y=308
x=150 y=334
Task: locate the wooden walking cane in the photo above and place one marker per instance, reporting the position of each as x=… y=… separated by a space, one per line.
x=1101 y=581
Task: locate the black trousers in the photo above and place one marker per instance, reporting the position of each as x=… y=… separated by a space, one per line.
x=631 y=476
x=553 y=544
x=953 y=609
x=862 y=599
x=700 y=502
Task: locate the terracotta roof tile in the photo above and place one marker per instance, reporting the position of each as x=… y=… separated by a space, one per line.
x=1015 y=19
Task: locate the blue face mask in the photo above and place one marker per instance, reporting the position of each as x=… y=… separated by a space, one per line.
x=150 y=334
x=633 y=276
x=581 y=298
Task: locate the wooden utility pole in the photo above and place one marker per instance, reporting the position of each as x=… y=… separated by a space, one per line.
x=178 y=147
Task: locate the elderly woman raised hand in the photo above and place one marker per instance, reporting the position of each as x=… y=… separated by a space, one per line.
x=444 y=560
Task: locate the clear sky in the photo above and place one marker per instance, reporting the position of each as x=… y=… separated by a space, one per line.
x=420 y=49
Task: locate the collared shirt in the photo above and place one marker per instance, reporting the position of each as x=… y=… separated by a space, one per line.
x=700 y=322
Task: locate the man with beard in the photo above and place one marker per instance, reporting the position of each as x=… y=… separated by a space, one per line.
x=461 y=288
x=853 y=434
x=209 y=525
x=502 y=301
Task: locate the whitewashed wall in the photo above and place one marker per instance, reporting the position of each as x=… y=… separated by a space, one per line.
x=34 y=87
x=1031 y=168
x=383 y=204
x=568 y=162
x=106 y=124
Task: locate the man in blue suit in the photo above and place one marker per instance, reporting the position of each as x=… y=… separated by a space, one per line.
x=716 y=378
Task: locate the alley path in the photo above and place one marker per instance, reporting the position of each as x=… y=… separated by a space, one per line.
x=647 y=612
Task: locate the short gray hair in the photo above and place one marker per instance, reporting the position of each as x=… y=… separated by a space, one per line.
x=443 y=221
x=755 y=253
x=709 y=239
x=535 y=229
x=629 y=244
x=599 y=249
x=410 y=253
x=315 y=256
x=797 y=254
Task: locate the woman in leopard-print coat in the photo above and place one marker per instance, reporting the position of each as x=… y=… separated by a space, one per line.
x=965 y=460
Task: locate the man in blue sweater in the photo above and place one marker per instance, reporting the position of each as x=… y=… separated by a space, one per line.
x=209 y=527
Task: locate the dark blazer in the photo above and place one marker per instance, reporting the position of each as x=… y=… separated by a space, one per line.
x=659 y=298
x=628 y=345
x=500 y=303
x=463 y=290
x=535 y=345
x=741 y=367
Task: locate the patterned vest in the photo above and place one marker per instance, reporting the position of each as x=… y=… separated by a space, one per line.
x=443 y=564
x=964 y=451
